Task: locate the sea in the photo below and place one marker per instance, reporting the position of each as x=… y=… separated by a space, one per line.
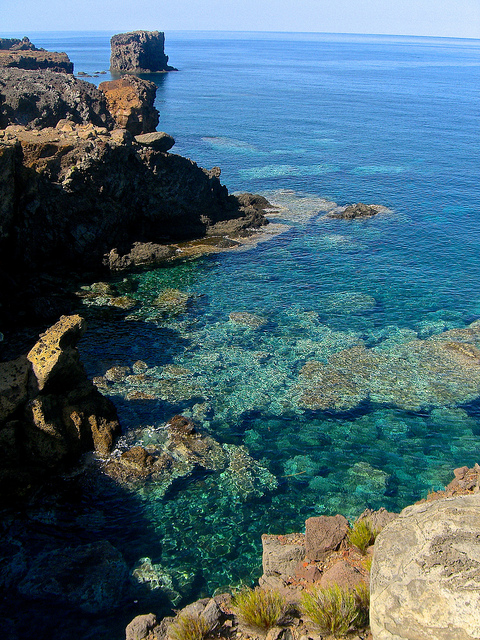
x=331 y=377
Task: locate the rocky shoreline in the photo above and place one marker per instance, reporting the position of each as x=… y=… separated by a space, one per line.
x=72 y=157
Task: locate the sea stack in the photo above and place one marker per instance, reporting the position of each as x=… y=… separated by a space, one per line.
x=139 y=52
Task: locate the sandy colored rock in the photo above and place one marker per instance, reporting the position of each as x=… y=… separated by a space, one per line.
x=140 y=627
x=425 y=579
x=55 y=353
x=160 y=141
x=281 y=554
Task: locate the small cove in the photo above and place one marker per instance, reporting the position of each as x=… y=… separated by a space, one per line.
x=308 y=121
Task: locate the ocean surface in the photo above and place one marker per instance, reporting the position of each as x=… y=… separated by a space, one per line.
x=333 y=379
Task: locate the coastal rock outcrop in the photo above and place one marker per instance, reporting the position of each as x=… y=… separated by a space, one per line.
x=130 y=101
x=139 y=52
x=425 y=581
x=22 y=54
x=75 y=192
x=50 y=412
x=42 y=98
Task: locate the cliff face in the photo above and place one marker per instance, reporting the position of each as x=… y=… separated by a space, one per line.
x=49 y=411
x=131 y=102
x=71 y=194
x=42 y=98
x=22 y=54
x=139 y=51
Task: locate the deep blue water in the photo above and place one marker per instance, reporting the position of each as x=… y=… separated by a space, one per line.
x=305 y=119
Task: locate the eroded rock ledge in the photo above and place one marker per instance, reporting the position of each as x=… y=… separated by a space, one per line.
x=50 y=412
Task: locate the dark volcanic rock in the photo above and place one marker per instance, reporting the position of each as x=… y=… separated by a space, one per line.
x=43 y=98
x=14 y=44
x=138 y=52
x=77 y=195
x=358 y=210
x=130 y=101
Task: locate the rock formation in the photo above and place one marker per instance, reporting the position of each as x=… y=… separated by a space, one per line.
x=359 y=210
x=71 y=194
x=22 y=54
x=139 y=52
x=130 y=101
x=425 y=581
x=50 y=412
x=43 y=98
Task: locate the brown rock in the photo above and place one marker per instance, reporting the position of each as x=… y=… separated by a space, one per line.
x=137 y=457
x=378 y=519
x=343 y=574
x=308 y=572
x=324 y=534
x=36 y=60
x=358 y=210
x=130 y=101
x=140 y=627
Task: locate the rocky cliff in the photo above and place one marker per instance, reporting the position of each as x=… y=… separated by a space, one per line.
x=131 y=102
x=22 y=54
x=50 y=412
x=139 y=52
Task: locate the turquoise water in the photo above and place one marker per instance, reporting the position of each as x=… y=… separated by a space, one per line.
x=335 y=382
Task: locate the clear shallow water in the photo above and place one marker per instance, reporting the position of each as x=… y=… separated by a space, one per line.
x=303 y=118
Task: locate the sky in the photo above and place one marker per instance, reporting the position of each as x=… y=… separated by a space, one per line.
x=448 y=18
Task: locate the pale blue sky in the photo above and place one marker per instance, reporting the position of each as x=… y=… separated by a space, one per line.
x=451 y=18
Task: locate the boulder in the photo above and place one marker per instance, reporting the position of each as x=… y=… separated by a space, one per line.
x=343 y=574
x=324 y=534
x=425 y=579
x=130 y=101
x=139 y=52
x=140 y=627
x=55 y=355
x=282 y=554
x=160 y=141
x=50 y=412
x=43 y=98
x=142 y=254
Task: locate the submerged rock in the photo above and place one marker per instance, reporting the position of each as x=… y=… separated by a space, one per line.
x=181 y=451
x=443 y=370
x=90 y=577
x=358 y=210
x=247 y=319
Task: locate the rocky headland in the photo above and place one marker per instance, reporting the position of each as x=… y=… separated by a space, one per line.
x=139 y=52
x=86 y=179
x=22 y=54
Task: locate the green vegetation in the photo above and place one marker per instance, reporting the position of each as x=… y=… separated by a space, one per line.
x=362 y=598
x=362 y=535
x=258 y=608
x=189 y=627
x=335 y=610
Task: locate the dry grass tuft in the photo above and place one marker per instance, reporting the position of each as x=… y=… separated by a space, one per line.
x=258 y=608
